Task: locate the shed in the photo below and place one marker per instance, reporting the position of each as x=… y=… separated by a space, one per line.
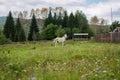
x=117 y=29
x=80 y=36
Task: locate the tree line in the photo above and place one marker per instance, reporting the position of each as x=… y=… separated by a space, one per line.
x=16 y=33
x=72 y=23
x=55 y=25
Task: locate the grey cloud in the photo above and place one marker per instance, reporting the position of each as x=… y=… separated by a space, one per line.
x=1 y=3
x=116 y=13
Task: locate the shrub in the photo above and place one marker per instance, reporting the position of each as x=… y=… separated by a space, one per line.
x=90 y=32
x=60 y=32
x=49 y=32
x=3 y=39
x=76 y=30
x=67 y=31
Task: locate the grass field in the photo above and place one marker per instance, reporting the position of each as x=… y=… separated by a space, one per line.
x=77 y=60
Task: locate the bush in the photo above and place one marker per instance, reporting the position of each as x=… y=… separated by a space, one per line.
x=76 y=30
x=60 y=32
x=41 y=36
x=90 y=32
x=49 y=32
x=67 y=31
x=3 y=39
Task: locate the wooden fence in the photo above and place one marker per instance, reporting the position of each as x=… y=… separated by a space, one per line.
x=108 y=37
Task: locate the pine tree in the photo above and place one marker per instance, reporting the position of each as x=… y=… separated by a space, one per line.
x=77 y=19
x=16 y=37
x=65 y=20
x=17 y=30
x=9 y=26
x=49 y=19
x=71 y=24
x=33 y=29
x=83 y=23
x=55 y=19
x=22 y=36
x=19 y=34
x=59 y=19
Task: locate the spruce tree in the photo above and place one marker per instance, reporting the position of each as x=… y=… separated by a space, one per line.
x=55 y=19
x=59 y=19
x=33 y=29
x=71 y=24
x=19 y=34
x=83 y=23
x=9 y=26
x=22 y=36
x=65 y=20
x=49 y=19
x=77 y=18
x=17 y=30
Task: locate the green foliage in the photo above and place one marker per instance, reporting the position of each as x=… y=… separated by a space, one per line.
x=42 y=36
x=60 y=32
x=65 y=20
x=0 y=31
x=16 y=37
x=77 y=19
x=67 y=31
x=90 y=32
x=84 y=23
x=78 y=60
x=9 y=27
x=3 y=39
x=59 y=19
x=78 y=22
x=114 y=25
x=22 y=36
x=33 y=30
x=49 y=19
x=76 y=30
x=19 y=33
x=71 y=24
x=81 y=22
x=49 y=32
x=55 y=19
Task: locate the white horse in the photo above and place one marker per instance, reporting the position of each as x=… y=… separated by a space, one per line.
x=60 y=39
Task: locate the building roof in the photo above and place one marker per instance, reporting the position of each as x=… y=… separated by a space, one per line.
x=117 y=29
x=80 y=33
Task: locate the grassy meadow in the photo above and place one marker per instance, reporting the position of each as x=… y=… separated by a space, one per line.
x=77 y=60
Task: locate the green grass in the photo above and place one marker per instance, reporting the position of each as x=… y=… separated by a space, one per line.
x=77 y=60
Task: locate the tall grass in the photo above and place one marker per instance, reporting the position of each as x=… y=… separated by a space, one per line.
x=77 y=60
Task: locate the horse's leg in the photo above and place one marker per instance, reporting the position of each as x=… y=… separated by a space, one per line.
x=55 y=43
x=62 y=44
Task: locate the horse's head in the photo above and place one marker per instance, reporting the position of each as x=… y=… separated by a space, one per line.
x=65 y=35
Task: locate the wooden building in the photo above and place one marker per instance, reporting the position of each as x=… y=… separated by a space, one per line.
x=80 y=36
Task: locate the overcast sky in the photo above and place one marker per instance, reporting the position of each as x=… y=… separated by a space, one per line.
x=100 y=8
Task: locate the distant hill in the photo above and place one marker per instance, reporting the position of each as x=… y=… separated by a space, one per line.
x=2 y=21
x=25 y=22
